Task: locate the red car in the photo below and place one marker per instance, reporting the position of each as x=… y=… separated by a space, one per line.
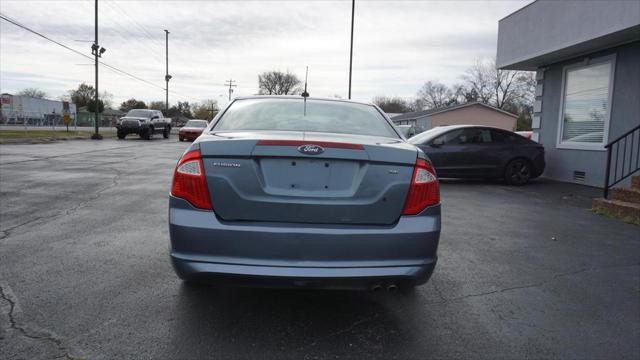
x=192 y=129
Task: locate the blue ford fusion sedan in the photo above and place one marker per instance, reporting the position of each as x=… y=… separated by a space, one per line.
x=304 y=192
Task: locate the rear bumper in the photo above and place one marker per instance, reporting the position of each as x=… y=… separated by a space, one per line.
x=538 y=165
x=188 y=136
x=302 y=255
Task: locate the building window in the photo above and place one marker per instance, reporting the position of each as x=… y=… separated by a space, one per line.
x=586 y=105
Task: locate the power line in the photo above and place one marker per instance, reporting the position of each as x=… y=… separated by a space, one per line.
x=146 y=33
x=110 y=67
x=14 y=22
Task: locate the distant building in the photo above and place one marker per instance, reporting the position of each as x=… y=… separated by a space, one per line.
x=26 y=110
x=587 y=58
x=465 y=114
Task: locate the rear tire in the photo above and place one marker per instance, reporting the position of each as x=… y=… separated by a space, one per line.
x=166 y=132
x=517 y=172
x=121 y=135
x=181 y=139
x=148 y=135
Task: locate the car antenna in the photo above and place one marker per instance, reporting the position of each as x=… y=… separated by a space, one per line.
x=305 y=94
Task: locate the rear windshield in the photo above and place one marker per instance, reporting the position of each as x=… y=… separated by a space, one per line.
x=139 y=113
x=320 y=116
x=196 y=124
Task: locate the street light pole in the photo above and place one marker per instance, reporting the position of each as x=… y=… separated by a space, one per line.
x=167 y=77
x=353 y=9
x=96 y=52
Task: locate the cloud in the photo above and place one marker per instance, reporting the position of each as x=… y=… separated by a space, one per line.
x=398 y=44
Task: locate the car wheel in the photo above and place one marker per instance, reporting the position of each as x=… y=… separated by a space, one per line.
x=517 y=172
x=166 y=132
x=181 y=139
x=148 y=135
x=121 y=135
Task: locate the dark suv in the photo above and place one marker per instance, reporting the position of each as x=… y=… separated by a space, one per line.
x=145 y=123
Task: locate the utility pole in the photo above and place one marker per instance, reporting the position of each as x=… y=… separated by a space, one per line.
x=97 y=52
x=353 y=9
x=167 y=77
x=231 y=85
x=213 y=110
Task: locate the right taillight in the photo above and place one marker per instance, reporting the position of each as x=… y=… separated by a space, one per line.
x=189 y=181
x=424 y=190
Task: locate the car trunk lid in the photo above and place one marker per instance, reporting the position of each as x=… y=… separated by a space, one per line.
x=269 y=176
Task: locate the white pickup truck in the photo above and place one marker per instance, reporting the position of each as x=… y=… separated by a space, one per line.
x=145 y=123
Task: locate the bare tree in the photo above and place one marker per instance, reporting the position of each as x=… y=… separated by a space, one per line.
x=206 y=109
x=498 y=87
x=392 y=104
x=107 y=98
x=156 y=105
x=278 y=83
x=33 y=92
x=434 y=94
x=132 y=104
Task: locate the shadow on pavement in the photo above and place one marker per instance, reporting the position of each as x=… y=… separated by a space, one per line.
x=232 y=322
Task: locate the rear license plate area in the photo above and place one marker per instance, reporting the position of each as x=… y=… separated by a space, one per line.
x=308 y=176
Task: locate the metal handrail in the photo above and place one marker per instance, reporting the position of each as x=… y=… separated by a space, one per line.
x=626 y=171
x=621 y=136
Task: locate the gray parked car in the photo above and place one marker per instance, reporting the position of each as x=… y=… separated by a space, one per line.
x=145 y=123
x=288 y=192
x=470 y=151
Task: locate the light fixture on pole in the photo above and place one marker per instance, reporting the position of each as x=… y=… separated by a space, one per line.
x=97 y=52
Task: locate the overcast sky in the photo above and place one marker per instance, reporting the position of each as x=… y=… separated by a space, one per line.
x=398 y=45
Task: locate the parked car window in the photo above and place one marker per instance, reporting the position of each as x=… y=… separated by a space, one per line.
x=320 y=116
x=477 y=136
x=426 y=137
x=506 y=137
x=451 y=138
x=140 y=113
x=466 y=136
x=196 y=124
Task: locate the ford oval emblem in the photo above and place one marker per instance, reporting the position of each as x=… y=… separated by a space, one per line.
x=311 y=149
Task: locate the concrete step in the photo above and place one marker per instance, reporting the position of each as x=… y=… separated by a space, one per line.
x=635 y=182
x=629 y=212
x=626 y=194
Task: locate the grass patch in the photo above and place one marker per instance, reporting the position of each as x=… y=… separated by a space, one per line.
x=607 y=213
x=10 y=136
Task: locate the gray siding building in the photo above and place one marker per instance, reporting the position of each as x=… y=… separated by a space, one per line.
x=586 y=55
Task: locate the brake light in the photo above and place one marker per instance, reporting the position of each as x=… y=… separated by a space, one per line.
x=189 y=182
x=424 y=190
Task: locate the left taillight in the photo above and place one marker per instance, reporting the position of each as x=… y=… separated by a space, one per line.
x=189 y=181
x=424 y=190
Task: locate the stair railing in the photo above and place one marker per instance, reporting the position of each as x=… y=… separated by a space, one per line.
x=623 y=165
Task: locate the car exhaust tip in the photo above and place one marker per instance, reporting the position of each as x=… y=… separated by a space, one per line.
x=376 y=287
x=392 y=288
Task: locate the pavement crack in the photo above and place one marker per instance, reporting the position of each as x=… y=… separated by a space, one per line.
x=526 y=286
x=13 y=324
x=5 y=233
x=114 y=183
x=66 y=155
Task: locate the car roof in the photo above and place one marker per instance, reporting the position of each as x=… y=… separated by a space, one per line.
x=301 y=98
x=453 y=127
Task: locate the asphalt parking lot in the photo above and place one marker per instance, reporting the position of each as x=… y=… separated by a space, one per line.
x=524 y=272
